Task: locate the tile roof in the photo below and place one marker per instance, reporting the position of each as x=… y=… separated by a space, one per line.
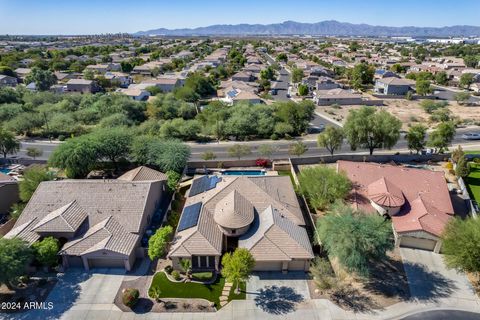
x=111 y=208
x=233 y=211
x=385 y=193
x=143 y=173
x=261 y=192
x=275 y=237
x=65 y=219
x=427 y=206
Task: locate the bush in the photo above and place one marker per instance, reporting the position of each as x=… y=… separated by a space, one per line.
x=261 y=162
x=130 y=297
x=323 y=274
x=322 y=186
x=169 y=269
x=176 y=275
x=61 y=137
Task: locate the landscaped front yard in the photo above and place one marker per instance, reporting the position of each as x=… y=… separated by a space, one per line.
x=193 y=290
x=473 y=181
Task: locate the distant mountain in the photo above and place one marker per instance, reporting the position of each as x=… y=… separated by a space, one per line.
x=324 y=28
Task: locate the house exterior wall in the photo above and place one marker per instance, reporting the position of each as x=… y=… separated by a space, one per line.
x=84 y=88
x=8 y=196
x=340 y=101
x=157 y=191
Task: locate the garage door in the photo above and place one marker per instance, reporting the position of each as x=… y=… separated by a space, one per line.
x=418 y=243
x=268 y=266
x=297 y=265
x=106 y=263
x=74 y=261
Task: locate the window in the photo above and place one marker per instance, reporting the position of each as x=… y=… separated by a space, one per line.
x=211 y=262
x=203 y=261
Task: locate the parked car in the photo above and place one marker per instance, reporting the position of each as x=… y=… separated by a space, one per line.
x=273 y=92
x=471 y=136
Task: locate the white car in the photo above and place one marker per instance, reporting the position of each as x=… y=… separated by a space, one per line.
x=471 y=136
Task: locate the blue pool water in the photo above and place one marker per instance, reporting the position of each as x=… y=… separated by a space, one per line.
x=4 y=170
x=243 y=173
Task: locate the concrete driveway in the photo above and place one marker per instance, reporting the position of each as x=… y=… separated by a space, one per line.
x=81 y=295
x=430 y=280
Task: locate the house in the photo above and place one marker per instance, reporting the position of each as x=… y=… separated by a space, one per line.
x=417 y=200
x=80 y=85
x=337 y=96
x=261 y=214
x=235 y=95
x=382 y=73
x=22 y=72
x=135 y=93
x=166 y=84
x=326 y=83
x=122 y=79
x=99 y=223
x=7 y=81
x=8 y=192
x=393 y=86
x=475 y=87
x=102 y=68
x=244 y=76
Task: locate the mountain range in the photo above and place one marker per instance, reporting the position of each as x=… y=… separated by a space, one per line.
x=324 y=28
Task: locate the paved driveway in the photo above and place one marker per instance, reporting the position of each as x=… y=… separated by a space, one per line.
x=81 y=295
x=430 y=280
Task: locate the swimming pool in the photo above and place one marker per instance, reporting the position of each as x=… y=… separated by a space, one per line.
x=243 y=173
x=4 y=170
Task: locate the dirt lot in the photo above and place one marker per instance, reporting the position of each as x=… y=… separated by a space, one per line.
x=387 y=285
x=409 y=112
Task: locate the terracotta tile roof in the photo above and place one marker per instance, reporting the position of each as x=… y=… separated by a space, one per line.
x=427 y=206
x=385 y=193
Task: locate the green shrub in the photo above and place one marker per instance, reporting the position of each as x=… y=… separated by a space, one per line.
x=169 y=269
x=176 y=275
x=130 y=297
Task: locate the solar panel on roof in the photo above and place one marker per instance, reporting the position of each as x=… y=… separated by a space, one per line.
x=213 y=182
x=199 y=185
x=190 y=216
x=203 y=184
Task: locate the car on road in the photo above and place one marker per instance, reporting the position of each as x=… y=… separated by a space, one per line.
x=471 y=136
x=273 y=92
x=316 y=128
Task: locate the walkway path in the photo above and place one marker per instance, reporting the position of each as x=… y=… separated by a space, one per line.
x=225 y=293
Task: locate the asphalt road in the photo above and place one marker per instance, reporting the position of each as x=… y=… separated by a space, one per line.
x=448 y=94
x=444 y=315
x=221 y=149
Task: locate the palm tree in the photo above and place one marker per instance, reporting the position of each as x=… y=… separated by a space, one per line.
x=186 y=266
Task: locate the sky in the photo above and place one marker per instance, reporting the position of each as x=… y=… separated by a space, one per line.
x=42 y=17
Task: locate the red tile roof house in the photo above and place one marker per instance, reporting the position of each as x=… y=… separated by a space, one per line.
x=417 y=200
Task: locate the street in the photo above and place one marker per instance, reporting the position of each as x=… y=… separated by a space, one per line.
x=221 y=149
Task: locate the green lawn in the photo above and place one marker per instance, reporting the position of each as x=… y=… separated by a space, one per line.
x=187 y=290
x=202 y=276
x=473 y=181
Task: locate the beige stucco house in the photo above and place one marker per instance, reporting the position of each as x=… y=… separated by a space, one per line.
x=98 y=222
x=261 y=214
